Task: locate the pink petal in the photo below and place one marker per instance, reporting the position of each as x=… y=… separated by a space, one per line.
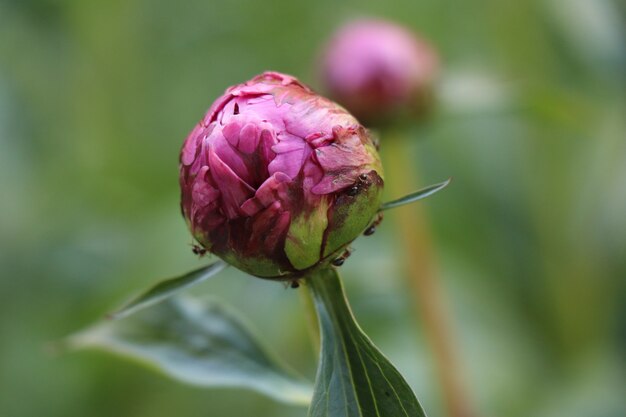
x=335 y=182
x=288 y=163
x=202 y=192
x=347 y=151
x=291 y=153
x=266 y=142
x=231 y=132
x=217 y=106
x=275 y=236
x=207 y=219
x=313 y=174
x=269 y=225
x=288 y=143
x=234 y=190
x=251 y=207
x=188 y=154
x=273 y=189
x=230 y=156
x=249 y=138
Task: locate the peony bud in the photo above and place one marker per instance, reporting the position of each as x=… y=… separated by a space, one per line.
x=276 y=179
x=379 y=70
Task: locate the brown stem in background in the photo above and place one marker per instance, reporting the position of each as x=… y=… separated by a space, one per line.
x=421 y=274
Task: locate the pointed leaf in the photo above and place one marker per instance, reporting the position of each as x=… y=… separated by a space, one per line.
x=354 y=379
x=417 y=195
x=166 y=288
x=201 y=343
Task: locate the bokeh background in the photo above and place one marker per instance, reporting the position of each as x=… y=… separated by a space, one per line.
x=529 y=241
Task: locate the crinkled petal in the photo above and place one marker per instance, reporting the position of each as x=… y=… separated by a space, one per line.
x=249 y=138
x=202 y=192
x=291 y=152
x=202 y=157
x=231 y=156
x=269 y=225
x=313 y=174
x=233 y=189
x=278 y=231
x=264 y=220
x=266 y=142
x=274 y=188
x=190 y=148
x=341 y=162
x=231 y=132
x=346 y=152
x=332 y=183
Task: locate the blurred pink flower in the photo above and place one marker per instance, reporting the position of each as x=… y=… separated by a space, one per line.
x=267 y=175
x=377 y=68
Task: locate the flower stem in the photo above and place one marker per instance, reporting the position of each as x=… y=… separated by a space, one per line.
x=311 y=318
x=354 y=379
x=421 y=272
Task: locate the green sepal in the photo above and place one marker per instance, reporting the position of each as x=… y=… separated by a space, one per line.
x=306 y=236
x=258 y=266
x=352 y=214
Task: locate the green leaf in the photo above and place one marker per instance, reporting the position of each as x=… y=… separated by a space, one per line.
x=201 y=343
x=354 y=379
x=417 y=195
x=166 y=288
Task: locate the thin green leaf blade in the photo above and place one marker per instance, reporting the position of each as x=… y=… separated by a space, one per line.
x=415 y=196
x=354 y=379
x=166 y=288
x=201 y=343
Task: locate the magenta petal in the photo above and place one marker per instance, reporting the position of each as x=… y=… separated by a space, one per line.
x=273 y=219
x=266 y=142
x=313 y=174
x=215 y=108
x=230 y=156
x=319 y=139
x=207 y=218
x=348 y=152
x=231 y=132
x=202 y=192
x=288 y=163
x=289 y=144
x=291 y=153
x=249 y=138
x=262 y=222
x=190 y=147
x=273 y=189
x=331 y=183
x=202 y=155
x=251 y=207
x=204 y=198
x=278 y=231
x=234 y=190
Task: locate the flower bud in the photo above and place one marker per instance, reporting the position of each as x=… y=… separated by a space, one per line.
x=276 y=179
x=379 y=71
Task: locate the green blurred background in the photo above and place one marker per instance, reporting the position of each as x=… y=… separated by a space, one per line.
x=96 y=98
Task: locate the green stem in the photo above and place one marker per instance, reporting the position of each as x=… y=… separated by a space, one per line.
x=354 y=378
x=421 y=272
x=311 y=318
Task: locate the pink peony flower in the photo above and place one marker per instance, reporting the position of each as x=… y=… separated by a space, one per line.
x=276 y=179
x=377 y=69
